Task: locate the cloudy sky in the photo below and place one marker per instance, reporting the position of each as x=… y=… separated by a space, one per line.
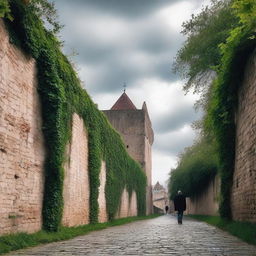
x=135 y=41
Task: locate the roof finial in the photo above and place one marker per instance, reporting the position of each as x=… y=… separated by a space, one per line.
x=124 y=86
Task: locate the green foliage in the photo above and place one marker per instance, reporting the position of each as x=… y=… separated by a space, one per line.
x=61 y=95
x=246 y=11
x=5 y=11
x=220 y=38
x=22 y=240
x=197 y=166
x=222 y=104
x=243 y=230
x=204 y=32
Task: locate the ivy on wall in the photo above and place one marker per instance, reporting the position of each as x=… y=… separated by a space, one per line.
x=236 y=40
x=61 y=95
x=224 y=98
x=5 y=11
x=197 y=166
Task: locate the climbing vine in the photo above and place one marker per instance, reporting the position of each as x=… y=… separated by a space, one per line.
x=197 y=166
x=224 y=98
x=61 y=95
x=226 y=52
x=5 y=11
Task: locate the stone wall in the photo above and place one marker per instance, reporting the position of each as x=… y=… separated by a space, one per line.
x=130 y=124
x=21 y=141
x=22 y=153
x=207 y=202
x=102 y=217
x=135 y=128
x=148 y=170
x=128 y=206
x=76 y=182
x=244 y=180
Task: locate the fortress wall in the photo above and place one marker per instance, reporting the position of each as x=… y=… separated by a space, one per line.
x=135 y=128
x=207 y=202
x=124 y=205
x=148 y=171
x=243 y=200
x=76 y=179
x=102 y=217
x=22 y=149
x=133 y=205
x=22 y=153
x=128 y=207
x=130 y=125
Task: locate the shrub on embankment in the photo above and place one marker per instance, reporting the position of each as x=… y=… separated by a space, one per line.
x=232 y=42
x=244 y=230
x=61 y=95
x=196 y=168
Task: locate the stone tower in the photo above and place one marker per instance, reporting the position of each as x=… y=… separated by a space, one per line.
x=134 y=126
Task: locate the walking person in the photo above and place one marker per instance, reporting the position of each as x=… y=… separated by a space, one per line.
x=166 y=209
x=180 y=205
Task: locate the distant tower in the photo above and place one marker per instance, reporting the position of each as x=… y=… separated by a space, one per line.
x=134 y=125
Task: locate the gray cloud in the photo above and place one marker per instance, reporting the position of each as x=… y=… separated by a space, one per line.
x=173 y=143
x=121 y=40
x=115 y=58
x=122 y=8
x=184 y=115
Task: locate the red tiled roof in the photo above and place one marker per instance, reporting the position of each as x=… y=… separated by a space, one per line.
x=123 y=103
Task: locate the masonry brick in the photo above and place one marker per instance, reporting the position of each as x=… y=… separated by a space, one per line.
x=76 y=182
x=102 y=217
x=207 y=202
x=22 y=149
x=128 y=205
x=243 y=199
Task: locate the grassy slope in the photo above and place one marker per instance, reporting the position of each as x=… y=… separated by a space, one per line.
x=244 y=230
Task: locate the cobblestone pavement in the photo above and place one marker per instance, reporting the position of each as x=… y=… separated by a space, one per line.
x=159 y=236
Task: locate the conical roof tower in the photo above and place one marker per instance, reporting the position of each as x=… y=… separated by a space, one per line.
x=123 y=103
x=135 y=128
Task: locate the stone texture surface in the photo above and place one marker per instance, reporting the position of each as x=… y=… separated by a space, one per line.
x=133 y=205
x=160 y=236
x=21 y=141
x=102 y=217
x=207 y=202
x=244 y=179
x=136 y=131
x=76 y=182
x=124 y=205
x=128 y=206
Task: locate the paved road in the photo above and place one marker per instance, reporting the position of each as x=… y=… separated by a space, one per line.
x=159 y=236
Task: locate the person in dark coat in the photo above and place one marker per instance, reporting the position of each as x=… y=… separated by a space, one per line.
x=180 y=205
x=166 y=209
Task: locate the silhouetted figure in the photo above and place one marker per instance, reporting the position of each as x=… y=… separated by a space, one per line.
x=180 y=205
x=166 y=209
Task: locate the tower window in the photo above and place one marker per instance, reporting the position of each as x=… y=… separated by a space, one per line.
x=127 y=146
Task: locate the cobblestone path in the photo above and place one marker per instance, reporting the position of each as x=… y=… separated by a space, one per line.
x=159 y=236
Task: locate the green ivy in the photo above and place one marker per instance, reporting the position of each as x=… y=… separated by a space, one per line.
x=5 y=11
x=224 y=99
x=61 y=95
x=197 y=166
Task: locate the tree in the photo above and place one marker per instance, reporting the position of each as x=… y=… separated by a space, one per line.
x=200 y=54
x=197 y=166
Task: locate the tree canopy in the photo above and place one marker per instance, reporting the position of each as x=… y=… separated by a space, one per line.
x=197 y=166
x=200 y=53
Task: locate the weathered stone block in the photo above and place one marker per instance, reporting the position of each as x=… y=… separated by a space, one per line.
x=21 y=142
